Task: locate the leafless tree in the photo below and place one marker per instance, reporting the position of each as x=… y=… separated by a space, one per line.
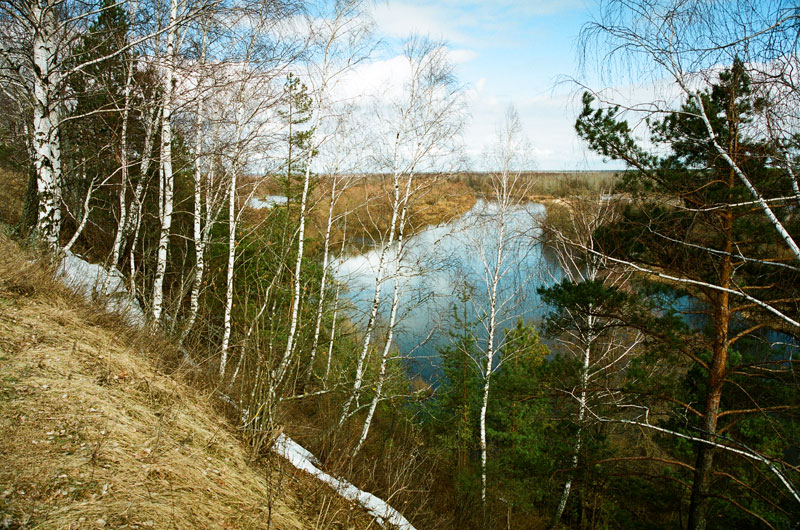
x=600 y=344
x=416 y=128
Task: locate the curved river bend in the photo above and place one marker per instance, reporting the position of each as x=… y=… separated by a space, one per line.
x=442 y=263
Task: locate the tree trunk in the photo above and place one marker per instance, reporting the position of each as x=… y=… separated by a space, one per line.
x=301 y=234
x=199 y=239
x=331 y=338
x=229 y=285
x=360 y=365
x=122 y=225
x=490 y=350
x=716 y=377
x=323 y=281
x=334 y=311
x=387 y=347
x=576 y=448
x=167 y=178
x=46 y=117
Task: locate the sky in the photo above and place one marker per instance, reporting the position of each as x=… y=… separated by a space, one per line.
x=508 y=52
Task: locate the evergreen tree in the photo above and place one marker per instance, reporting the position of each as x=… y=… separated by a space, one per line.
x=520 y=432
x=692 y=219
x=91 y=137
x=520 y=426
x=297 y=112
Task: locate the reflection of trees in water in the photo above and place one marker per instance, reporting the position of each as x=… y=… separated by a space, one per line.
x=438 y=263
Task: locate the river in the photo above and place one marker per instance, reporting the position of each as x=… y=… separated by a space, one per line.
x=439 y=265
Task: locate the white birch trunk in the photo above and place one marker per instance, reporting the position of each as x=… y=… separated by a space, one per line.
x=229 y=285
x=232 y=220
x=795 y=187
x=387 y=347
x=229 y=281
x=167 y=178
x=485 y=399
x=46 y=116
x=135 y=217
x=375 y=303
x=199 y=240
x=122 y=225
x=84 y=218
x=323 y=282
x=490 y=350
x=576 y=448
x=331 y=338
x=787 y=238
x=301 y=234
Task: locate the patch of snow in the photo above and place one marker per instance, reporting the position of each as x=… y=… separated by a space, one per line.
x=302 y=459
x=267 y=202
x=93 y=282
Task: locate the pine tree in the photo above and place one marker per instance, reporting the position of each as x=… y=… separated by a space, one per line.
x=692 y=219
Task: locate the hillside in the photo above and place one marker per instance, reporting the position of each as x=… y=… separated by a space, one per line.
x=99 y=429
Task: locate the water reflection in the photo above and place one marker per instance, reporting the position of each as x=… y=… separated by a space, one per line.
x=442 y=263
x=764 y=341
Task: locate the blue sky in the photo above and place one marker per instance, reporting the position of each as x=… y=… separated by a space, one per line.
x=508 y=52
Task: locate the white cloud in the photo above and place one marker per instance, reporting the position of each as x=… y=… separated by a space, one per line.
x=381 y=79
x=398 y=19
x=461 y=56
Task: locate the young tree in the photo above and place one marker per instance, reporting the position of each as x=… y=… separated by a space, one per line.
x=518 y=428
x=499 y=256
x=339 y=35
x=584 y=318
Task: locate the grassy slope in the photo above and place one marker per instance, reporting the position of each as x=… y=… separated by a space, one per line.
x=95 y=431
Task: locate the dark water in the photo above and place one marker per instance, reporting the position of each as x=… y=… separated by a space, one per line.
x=696 y=314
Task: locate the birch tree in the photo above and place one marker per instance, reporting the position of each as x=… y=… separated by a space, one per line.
x=420 y=126
x=38 y=55
x=501 y=250
x=124 y=152
x=340 y=40
x=166 y=177
x=582 y=322
x=336 y=160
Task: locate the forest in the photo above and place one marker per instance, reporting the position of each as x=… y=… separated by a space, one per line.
x=619 y=352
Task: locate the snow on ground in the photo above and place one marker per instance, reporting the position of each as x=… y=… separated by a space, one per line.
x=267 y=202
x=302 y=459
x=93 y=282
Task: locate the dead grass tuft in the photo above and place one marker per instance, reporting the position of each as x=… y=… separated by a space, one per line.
x=24 y=272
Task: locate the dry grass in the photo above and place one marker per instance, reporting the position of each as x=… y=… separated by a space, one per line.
x=93 y=433
x=12 y=193
x=367 y=202
x=547 y=185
